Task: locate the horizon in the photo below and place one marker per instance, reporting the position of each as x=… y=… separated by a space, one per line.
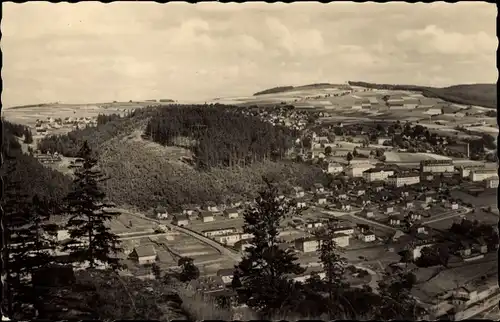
x=80 y=53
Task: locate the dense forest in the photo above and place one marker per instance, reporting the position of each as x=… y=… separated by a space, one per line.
x=221 y=136
x=32 y=177
x=472 y=94
x=144 y=174
x=108 y=127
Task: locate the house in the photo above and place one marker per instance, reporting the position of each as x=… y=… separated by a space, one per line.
x=313 y=224
x=207 y=216
x=427 y=176
x=212 y=207
x=454 y=205
x=375 y=174
x=394 y=221
x=436 y=166
x=320 y=199
x=465 y=249
x=344 y=206
x=299 y=192
x=228 y=239
x=307 y=244
x=219 y=232
x=367 y=236
x=231 y=213
x=180 y=220
x=318 y=188
x=492 y=183
x=188 y=211
x=332 y=167
x=481 y=175
x=226 y=274
x=389 y=210
x=342 y=196
x=480 y=246
x=301 y=203
x=409 y=205
x=400 y=180
x=311 y=244
x=413 y=216
x=368 y=213
x=161 y=213
x=360 y=192
x=144 y=254
x=356 y=170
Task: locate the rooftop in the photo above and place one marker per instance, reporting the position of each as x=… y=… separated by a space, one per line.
x=145 y=250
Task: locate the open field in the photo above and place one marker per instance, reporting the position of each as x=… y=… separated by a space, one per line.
x=29 y=115
x=220 y=222
x=412 y=157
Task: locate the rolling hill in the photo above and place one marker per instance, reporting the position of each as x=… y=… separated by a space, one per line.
x=284 y=89
x=469 y=94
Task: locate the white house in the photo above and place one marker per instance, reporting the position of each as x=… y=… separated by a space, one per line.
x=299 y=192
x=218 y=232
x=333 y=167
x=226 y=274
x=231 y=213
x=320 y=199
x=400 y=180
x=356 y=170
x=367 y=236
x=207 y=216
x=374 y=174
x=144 y=254
x=480 y=175
x=180 y=220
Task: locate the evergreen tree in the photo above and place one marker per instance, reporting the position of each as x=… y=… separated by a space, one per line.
x=396 y=299
x=189 y=270
x=334 y=266
x=28 y=137
x=265 y=269
x=91 y=240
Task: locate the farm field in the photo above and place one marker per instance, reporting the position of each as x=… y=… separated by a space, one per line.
x=29 y=115
x=412 y=157
x=220 y=222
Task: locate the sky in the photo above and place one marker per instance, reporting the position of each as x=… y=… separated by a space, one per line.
x=95 y=52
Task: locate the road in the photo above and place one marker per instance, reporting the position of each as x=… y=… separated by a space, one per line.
x=372 y=222
x=445 y=216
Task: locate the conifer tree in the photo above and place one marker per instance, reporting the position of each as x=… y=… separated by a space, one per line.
x=265 y=270
x=28 y=137
x=334 y=266
x=189 y=270
x=91 y=240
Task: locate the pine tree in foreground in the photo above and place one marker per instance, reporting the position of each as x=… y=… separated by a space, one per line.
x=91 y=240
x=334 y=266
x=265 y=270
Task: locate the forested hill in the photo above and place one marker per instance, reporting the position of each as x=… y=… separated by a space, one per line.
x=224 y=137
x=283 y=89
x=24 y=172
x=470 y=94
x=231 y=152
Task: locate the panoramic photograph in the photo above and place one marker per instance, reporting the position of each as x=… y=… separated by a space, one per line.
x=253 y=161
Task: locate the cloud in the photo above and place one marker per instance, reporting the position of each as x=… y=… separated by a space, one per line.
x=120 y=51
x=433 y=39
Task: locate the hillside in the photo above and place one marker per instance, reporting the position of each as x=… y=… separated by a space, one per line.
x=145 y=174
x=284 y=89
x=23 y=172
x=470 y=94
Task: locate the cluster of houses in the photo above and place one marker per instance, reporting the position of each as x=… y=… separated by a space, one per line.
x=47 y=158
x=43 y=126
x=290 y=118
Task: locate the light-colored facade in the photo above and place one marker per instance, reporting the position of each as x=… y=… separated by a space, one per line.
x=218 y=232
x=403 y=180
x=492 y=183
x=356 y=170
x=481 y=175
x=367 y=237
x=372 y=175
x=309 y=245
x=437 y=166
x=332 y=167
